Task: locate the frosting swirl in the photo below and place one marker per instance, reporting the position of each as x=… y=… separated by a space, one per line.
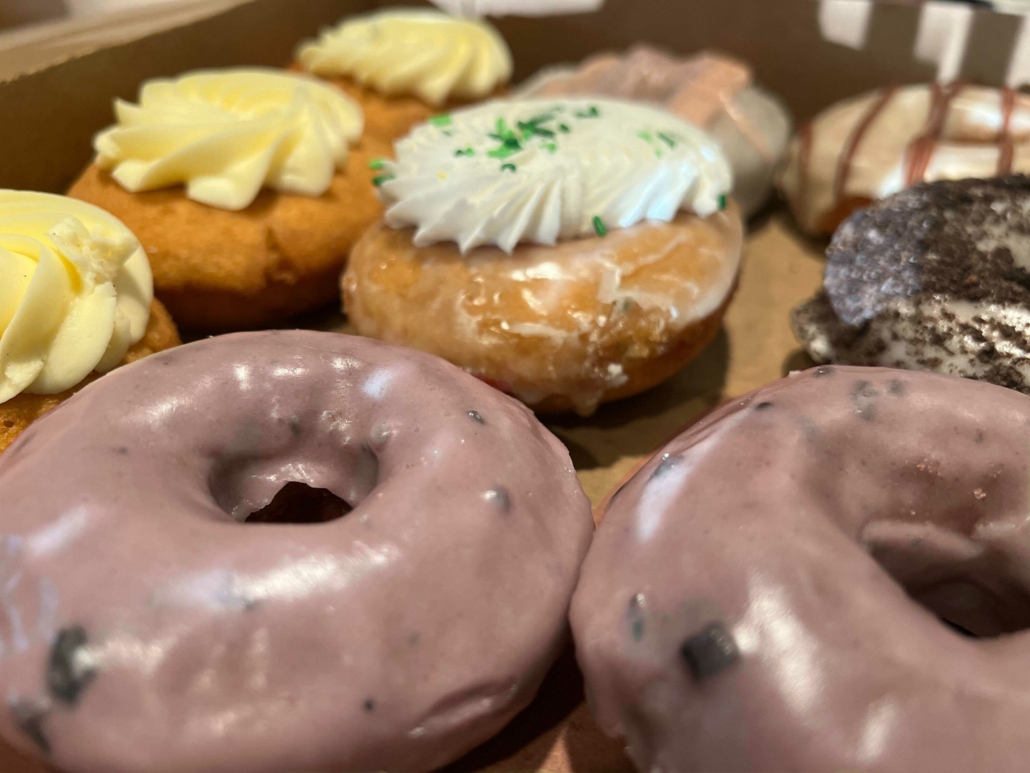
x=423 y=53
x=226 y=134
x=542 y=170
x=75 y=292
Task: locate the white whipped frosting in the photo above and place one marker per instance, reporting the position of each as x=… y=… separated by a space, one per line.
x=423 y=53
x=75 y=292
x=226 y=134
x=539 y=171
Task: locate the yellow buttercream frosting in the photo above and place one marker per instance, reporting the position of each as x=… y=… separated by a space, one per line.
x=226 y=134
x=422 y=53
x=75 y=292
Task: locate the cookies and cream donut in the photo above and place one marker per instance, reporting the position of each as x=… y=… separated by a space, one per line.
x=156 y=620
x=243 y=187
x=569 y=252
x=714 y=92
x=933 y=278
x=877 y=144
x=764 y=594
x=76 y=301
x=405 y=64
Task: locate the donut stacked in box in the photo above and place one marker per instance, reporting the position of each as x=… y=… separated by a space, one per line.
x=279 y=549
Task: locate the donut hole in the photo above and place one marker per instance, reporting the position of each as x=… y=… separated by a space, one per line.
x=972 y=591
x=298 y=503
x=293 y=488
x=974 y=609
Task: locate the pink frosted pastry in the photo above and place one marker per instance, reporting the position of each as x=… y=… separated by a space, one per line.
x=765 y=594
x=874 y=145
x=147 y=627
x=711 y=91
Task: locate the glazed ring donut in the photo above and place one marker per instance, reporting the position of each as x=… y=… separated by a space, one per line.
x=528 y=323
x=764 y=593
x=148 y=628
x=872 y=146
x=933 y=278
x=569 y=252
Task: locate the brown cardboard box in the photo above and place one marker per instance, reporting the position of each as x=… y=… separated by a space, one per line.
x=59 y=86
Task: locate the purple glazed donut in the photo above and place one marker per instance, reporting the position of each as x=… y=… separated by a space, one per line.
x=143 y=627
x=767 y=593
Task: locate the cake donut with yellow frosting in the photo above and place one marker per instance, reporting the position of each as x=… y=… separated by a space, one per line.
x=403 y=65
x=570 y=252
x=76 y=301
x=244 y=189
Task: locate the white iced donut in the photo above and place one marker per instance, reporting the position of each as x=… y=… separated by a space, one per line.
x=872 y=146
x=714 y=92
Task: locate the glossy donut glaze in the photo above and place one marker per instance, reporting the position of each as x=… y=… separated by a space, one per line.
x=761 y=595
x=147 y=628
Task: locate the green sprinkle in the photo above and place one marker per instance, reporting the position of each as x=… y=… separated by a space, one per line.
x=593 y=112
x=465 y=152
x=599 y=226
x=646 y=136
x=667 y=139
x=377 y=163
x=551 y=146
x=509 y=147
x=659 y=153
x=723 y=202
x=383 y=178
x=502 y=133
x=564 y=128
x=503 y=152
x=447 y=133
x=530 y=129
x=509 y=168
x=441 y=120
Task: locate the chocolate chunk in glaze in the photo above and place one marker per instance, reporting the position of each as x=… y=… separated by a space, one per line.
x=70 y=669
x=863 y=397
x=936 y=277
x=763 y=406
x=29 y=715
x=710 y=652
x=499 y=496
x=635 y=617
x=474 y=415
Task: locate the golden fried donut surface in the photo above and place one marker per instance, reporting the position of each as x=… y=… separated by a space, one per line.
x=18 y=413
x=562 y=328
